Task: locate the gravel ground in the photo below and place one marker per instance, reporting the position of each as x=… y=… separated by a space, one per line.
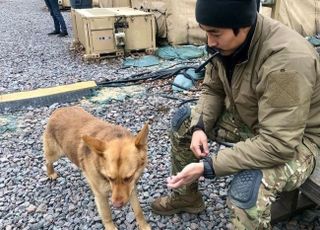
x=28 y=200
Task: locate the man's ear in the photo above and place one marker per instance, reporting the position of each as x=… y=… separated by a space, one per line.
x=94 y=144
x=142 y=137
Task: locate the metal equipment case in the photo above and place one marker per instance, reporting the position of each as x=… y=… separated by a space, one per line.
x=113 y=31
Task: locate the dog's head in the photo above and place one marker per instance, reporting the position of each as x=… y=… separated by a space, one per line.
x=121 y=161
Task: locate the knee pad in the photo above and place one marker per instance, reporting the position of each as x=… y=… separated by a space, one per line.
x=180 y=116
x=244 y=188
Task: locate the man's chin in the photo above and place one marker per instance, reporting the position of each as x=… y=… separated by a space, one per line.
x=225 y=52
x=222 y=52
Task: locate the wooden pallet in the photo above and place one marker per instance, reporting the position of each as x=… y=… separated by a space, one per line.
x=78 y=47
x=119 y=53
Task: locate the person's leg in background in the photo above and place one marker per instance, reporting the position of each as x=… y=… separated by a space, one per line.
x=258 y=5
x=58 y=16
x=55 y=20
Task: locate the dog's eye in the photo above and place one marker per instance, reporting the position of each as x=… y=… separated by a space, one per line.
x=127 y=179
x=111 y=179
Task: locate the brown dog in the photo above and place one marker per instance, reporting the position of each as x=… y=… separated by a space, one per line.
x=111 y=158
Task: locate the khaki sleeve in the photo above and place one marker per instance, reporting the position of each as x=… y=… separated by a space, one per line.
x=284 y=104
x=211 y=101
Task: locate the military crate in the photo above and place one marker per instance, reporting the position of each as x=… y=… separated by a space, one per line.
x=113 y=31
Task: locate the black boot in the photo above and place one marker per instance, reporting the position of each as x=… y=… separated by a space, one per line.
x=54 y=32
x=63 y=34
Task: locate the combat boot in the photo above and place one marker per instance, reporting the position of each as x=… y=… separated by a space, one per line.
x=175 y=203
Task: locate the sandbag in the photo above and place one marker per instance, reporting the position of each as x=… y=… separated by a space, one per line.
x=176 y=19
x=196 y=35
x=159 y=9
x=114 y=3
x=301 y=16
x=178 y=15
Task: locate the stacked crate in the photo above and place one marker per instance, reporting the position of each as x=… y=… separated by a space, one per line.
x=113 y=31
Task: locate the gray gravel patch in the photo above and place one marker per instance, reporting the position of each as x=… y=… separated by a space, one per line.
x=29 y=59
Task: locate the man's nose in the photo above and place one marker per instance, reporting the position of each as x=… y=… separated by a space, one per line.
x=212 y=42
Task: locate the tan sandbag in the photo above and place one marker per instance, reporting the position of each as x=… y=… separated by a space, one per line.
x=105 y=3
x=159 y=9
x=150 y=5
x=140 y=4
x=161 y=26
x=196 y=36
x=95 y=3
x=114 y=3
x=302 y=16
x=175 y=20
x=178 y=15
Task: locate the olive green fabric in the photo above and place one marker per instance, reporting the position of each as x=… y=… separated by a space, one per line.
x=275 y=93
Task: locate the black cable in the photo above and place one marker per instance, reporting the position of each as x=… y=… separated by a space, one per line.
x=161 y=74
x=197 y=70
x=164 y=73
x=181 y=87
x=184 y=101
x=187 y=101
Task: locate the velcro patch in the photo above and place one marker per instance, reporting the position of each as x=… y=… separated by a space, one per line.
x=283 y=89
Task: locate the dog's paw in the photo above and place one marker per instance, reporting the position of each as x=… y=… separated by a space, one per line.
x=110 y=226
x=53 y=176
x=145 y=227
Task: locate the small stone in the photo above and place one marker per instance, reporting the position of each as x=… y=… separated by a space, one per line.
x=130 y=217
x=194 y=226
x=31 y=208
x=219 y=206
x=48 y=217
x=8 y=227
x=71 y=207
x=42 y=208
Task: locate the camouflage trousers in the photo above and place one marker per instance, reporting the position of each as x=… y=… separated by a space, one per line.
x=275 y=180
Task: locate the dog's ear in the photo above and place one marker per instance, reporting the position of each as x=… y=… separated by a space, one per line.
x=142 y=137
x=94 y=144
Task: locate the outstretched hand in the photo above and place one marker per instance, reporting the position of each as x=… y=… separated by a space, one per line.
x=189 y=174
x=199 y=144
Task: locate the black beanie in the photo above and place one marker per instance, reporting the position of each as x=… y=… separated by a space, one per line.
x=226 y=13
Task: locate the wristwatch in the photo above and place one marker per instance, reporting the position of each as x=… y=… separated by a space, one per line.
x=208 y=170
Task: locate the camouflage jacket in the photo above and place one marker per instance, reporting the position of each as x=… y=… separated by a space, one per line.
x=275 y=92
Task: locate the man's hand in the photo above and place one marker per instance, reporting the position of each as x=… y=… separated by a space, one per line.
x=189 y=174
x=199 y=144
